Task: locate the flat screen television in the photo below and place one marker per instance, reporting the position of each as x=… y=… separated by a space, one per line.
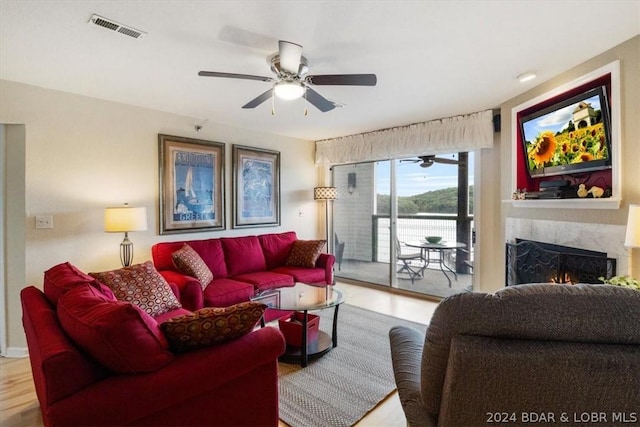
x=570 y=136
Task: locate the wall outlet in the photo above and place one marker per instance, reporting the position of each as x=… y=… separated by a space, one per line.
x=44 y=221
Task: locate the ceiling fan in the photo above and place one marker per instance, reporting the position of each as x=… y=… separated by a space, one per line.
x=291 y=80
x=430 y=160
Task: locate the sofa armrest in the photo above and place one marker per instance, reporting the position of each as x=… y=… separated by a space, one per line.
x=406 y=357
x=326 y=262
x=52 y=354
x=190 y=290
x=205 y=376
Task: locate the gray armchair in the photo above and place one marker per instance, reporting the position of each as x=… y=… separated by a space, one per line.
x=524 y=352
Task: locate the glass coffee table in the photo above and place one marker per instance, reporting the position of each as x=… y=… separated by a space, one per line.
x=301 y=299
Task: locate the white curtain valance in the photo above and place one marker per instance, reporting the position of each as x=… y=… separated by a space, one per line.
x=450 y=135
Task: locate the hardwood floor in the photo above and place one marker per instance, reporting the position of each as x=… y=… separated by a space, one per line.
x=389 y=412
x=19 y=404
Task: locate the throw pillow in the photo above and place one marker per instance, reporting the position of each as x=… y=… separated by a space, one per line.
x=243 y=255
x=119 y=335
x=63 y=277
x=277 y=247
x=141 y=285
x=305 y=253
x=211 y=325
x=188 y=262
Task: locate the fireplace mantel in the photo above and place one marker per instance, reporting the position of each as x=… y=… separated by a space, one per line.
x=608 y=203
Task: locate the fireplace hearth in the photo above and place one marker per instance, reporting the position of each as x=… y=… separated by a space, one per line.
x=528 y=261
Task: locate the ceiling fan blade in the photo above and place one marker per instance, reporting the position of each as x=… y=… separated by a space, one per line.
x=235 y=76
x=290 y=54
x=447 y=161
x=259 y=99
x=319 y=101
x=343 y=79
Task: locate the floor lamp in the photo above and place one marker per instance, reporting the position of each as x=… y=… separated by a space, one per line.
x=326 y=194
x=124 y=220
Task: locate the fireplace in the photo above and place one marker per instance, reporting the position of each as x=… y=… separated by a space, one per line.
x=528 y=261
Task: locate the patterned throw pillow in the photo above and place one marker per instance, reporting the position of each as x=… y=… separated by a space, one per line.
x=211 y=325
x=305 y=253
x=142 y=285
x=188 y=262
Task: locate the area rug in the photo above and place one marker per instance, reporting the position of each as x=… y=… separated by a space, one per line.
x=341 y=387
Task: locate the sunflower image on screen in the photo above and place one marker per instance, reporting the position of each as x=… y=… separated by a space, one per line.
x=577 y=146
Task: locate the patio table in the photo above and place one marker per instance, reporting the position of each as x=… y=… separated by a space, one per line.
x=439 y=249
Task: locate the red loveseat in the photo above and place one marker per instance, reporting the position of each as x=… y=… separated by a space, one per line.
x=241 y=267
x=134 y=379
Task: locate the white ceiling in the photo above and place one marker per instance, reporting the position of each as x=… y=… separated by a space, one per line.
x=433 y=59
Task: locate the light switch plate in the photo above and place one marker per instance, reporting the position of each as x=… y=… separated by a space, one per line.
x=44 y=221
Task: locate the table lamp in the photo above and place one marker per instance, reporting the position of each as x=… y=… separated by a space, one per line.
x=123 y=220
x=632 y=238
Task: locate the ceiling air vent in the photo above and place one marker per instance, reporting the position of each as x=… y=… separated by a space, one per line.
x=114 y=26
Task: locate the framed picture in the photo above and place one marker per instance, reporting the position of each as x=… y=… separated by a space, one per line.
x=256 y=187
x=191 y=185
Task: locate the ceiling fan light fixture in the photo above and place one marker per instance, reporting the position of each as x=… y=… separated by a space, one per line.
x=289 y=90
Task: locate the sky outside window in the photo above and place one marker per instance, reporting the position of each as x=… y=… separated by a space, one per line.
x=413 y=179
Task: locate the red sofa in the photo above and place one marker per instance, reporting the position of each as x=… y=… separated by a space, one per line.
x=241 y=266
x=232 y=383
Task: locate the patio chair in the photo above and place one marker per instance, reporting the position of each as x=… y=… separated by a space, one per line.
x=338 y=250
x=407 y=260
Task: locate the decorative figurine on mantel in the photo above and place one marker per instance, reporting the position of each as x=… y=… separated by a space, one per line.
x=596 y=191
x=519 y=194
x=582 y=191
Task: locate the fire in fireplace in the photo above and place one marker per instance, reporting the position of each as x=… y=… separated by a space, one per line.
x=528 y=261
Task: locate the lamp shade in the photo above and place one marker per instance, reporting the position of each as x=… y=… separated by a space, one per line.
x=632 y=239
x=123 y=219
x=325 y=193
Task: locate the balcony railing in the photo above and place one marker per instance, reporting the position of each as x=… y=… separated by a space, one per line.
x=413 y=228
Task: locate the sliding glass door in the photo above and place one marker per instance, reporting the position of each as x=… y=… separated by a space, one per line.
x=386 y=209
x=355 y=223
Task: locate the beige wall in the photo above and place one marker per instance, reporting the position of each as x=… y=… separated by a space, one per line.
x=491 y=275
x=487 y=274
x=84 y=154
